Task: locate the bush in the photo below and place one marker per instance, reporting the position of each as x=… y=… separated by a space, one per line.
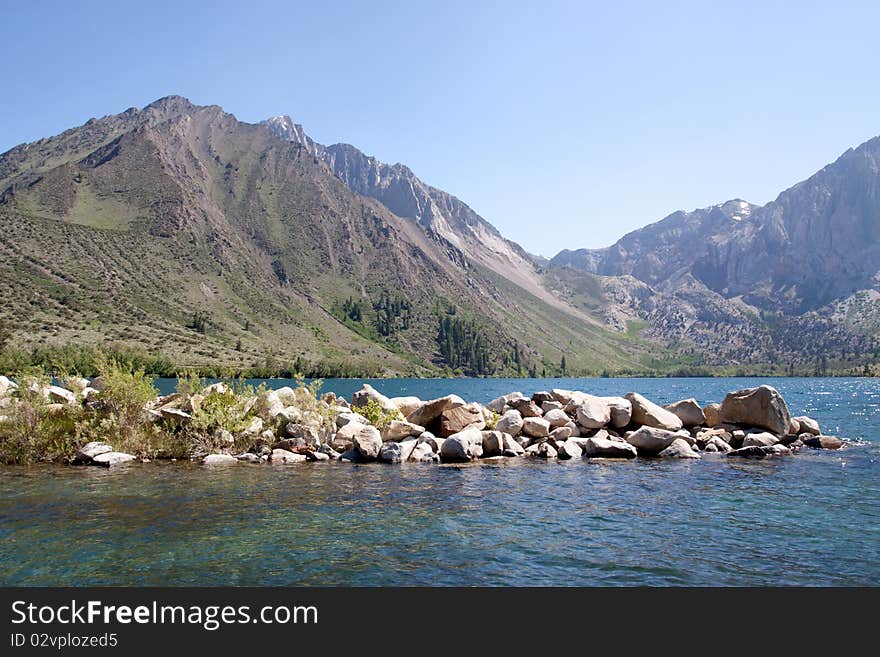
x=376 y=415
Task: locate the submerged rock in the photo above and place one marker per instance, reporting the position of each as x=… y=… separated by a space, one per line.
x=85 y=454
x=824 y=442
x=599 y=447
x=109 y=459
x=282 y=456
x=221 y=459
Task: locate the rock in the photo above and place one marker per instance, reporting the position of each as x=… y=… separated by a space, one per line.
x=406 y=405
x=282 y=456
x=391 y=452
x=89 y=451
x=431 y=410
x=719 y=444
x=536 y=427
x=407 y=447
x=760 y=407
x=688 y=411
x=760 y=439
x=759 y=451
x=679 y=449
x=460 y=447
x=175 y=416
x=225 y=437
x=267 y=404
x=560 y=433
x=526 y=407
x=459 y=418
x=89 y=393
x=711 y=449
x=807 y=425
x=650 y=441
x=511 y=447
x=562 y=396
x=497 y=405
x=493 y=443
x=432 y=441
x=422 y=453
x=347 y=417
x=368 y=442
x=344 y=437
x=368 y=393
x=704 y=436
x=60 y=395
x=78 y=384
x=794 y=427
x=824 y=442
x=307 y=435
x=568 y=449
x=548 y=406
x=621 y=411
x=649 y=414
x=351 y=456
x=218 y=388
x=543 y=396
x=248 y=457
x=109 y=459
x=592 y=412
x=56 y=410
x=712 y=413
x=547 y=451
x=511 y=422
x=329 y=451
x=7 y=385
x=295 y=445
x=220 y=459
x=317 y=457
x=597 y=447
x=557 y=418
x=400 y=429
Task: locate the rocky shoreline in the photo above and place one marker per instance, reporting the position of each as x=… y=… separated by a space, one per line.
x=289 y=426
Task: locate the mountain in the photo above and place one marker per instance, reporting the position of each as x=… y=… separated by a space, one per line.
x=178 y=229
x=439 y=213
x=793 y=279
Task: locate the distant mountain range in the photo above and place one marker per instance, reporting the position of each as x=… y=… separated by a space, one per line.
x=182 y=231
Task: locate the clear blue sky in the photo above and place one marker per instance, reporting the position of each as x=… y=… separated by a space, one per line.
x=566 y=124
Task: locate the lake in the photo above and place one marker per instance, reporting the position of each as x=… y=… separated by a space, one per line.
x=809 y=519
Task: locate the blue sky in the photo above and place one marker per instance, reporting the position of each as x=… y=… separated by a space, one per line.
x=565 y=124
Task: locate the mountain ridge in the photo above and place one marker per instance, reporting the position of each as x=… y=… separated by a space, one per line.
x=251 y=249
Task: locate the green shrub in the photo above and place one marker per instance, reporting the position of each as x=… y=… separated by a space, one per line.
x=376 y=415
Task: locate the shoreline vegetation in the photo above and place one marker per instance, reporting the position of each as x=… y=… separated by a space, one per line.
x=119 y=417
x=87 y=361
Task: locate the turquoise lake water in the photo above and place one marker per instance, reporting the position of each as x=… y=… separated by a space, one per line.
x=812 y=518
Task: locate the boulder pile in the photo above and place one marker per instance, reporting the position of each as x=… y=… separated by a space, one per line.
x=293 y=426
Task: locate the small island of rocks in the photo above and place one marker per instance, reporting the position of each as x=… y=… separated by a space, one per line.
x=118 y=418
